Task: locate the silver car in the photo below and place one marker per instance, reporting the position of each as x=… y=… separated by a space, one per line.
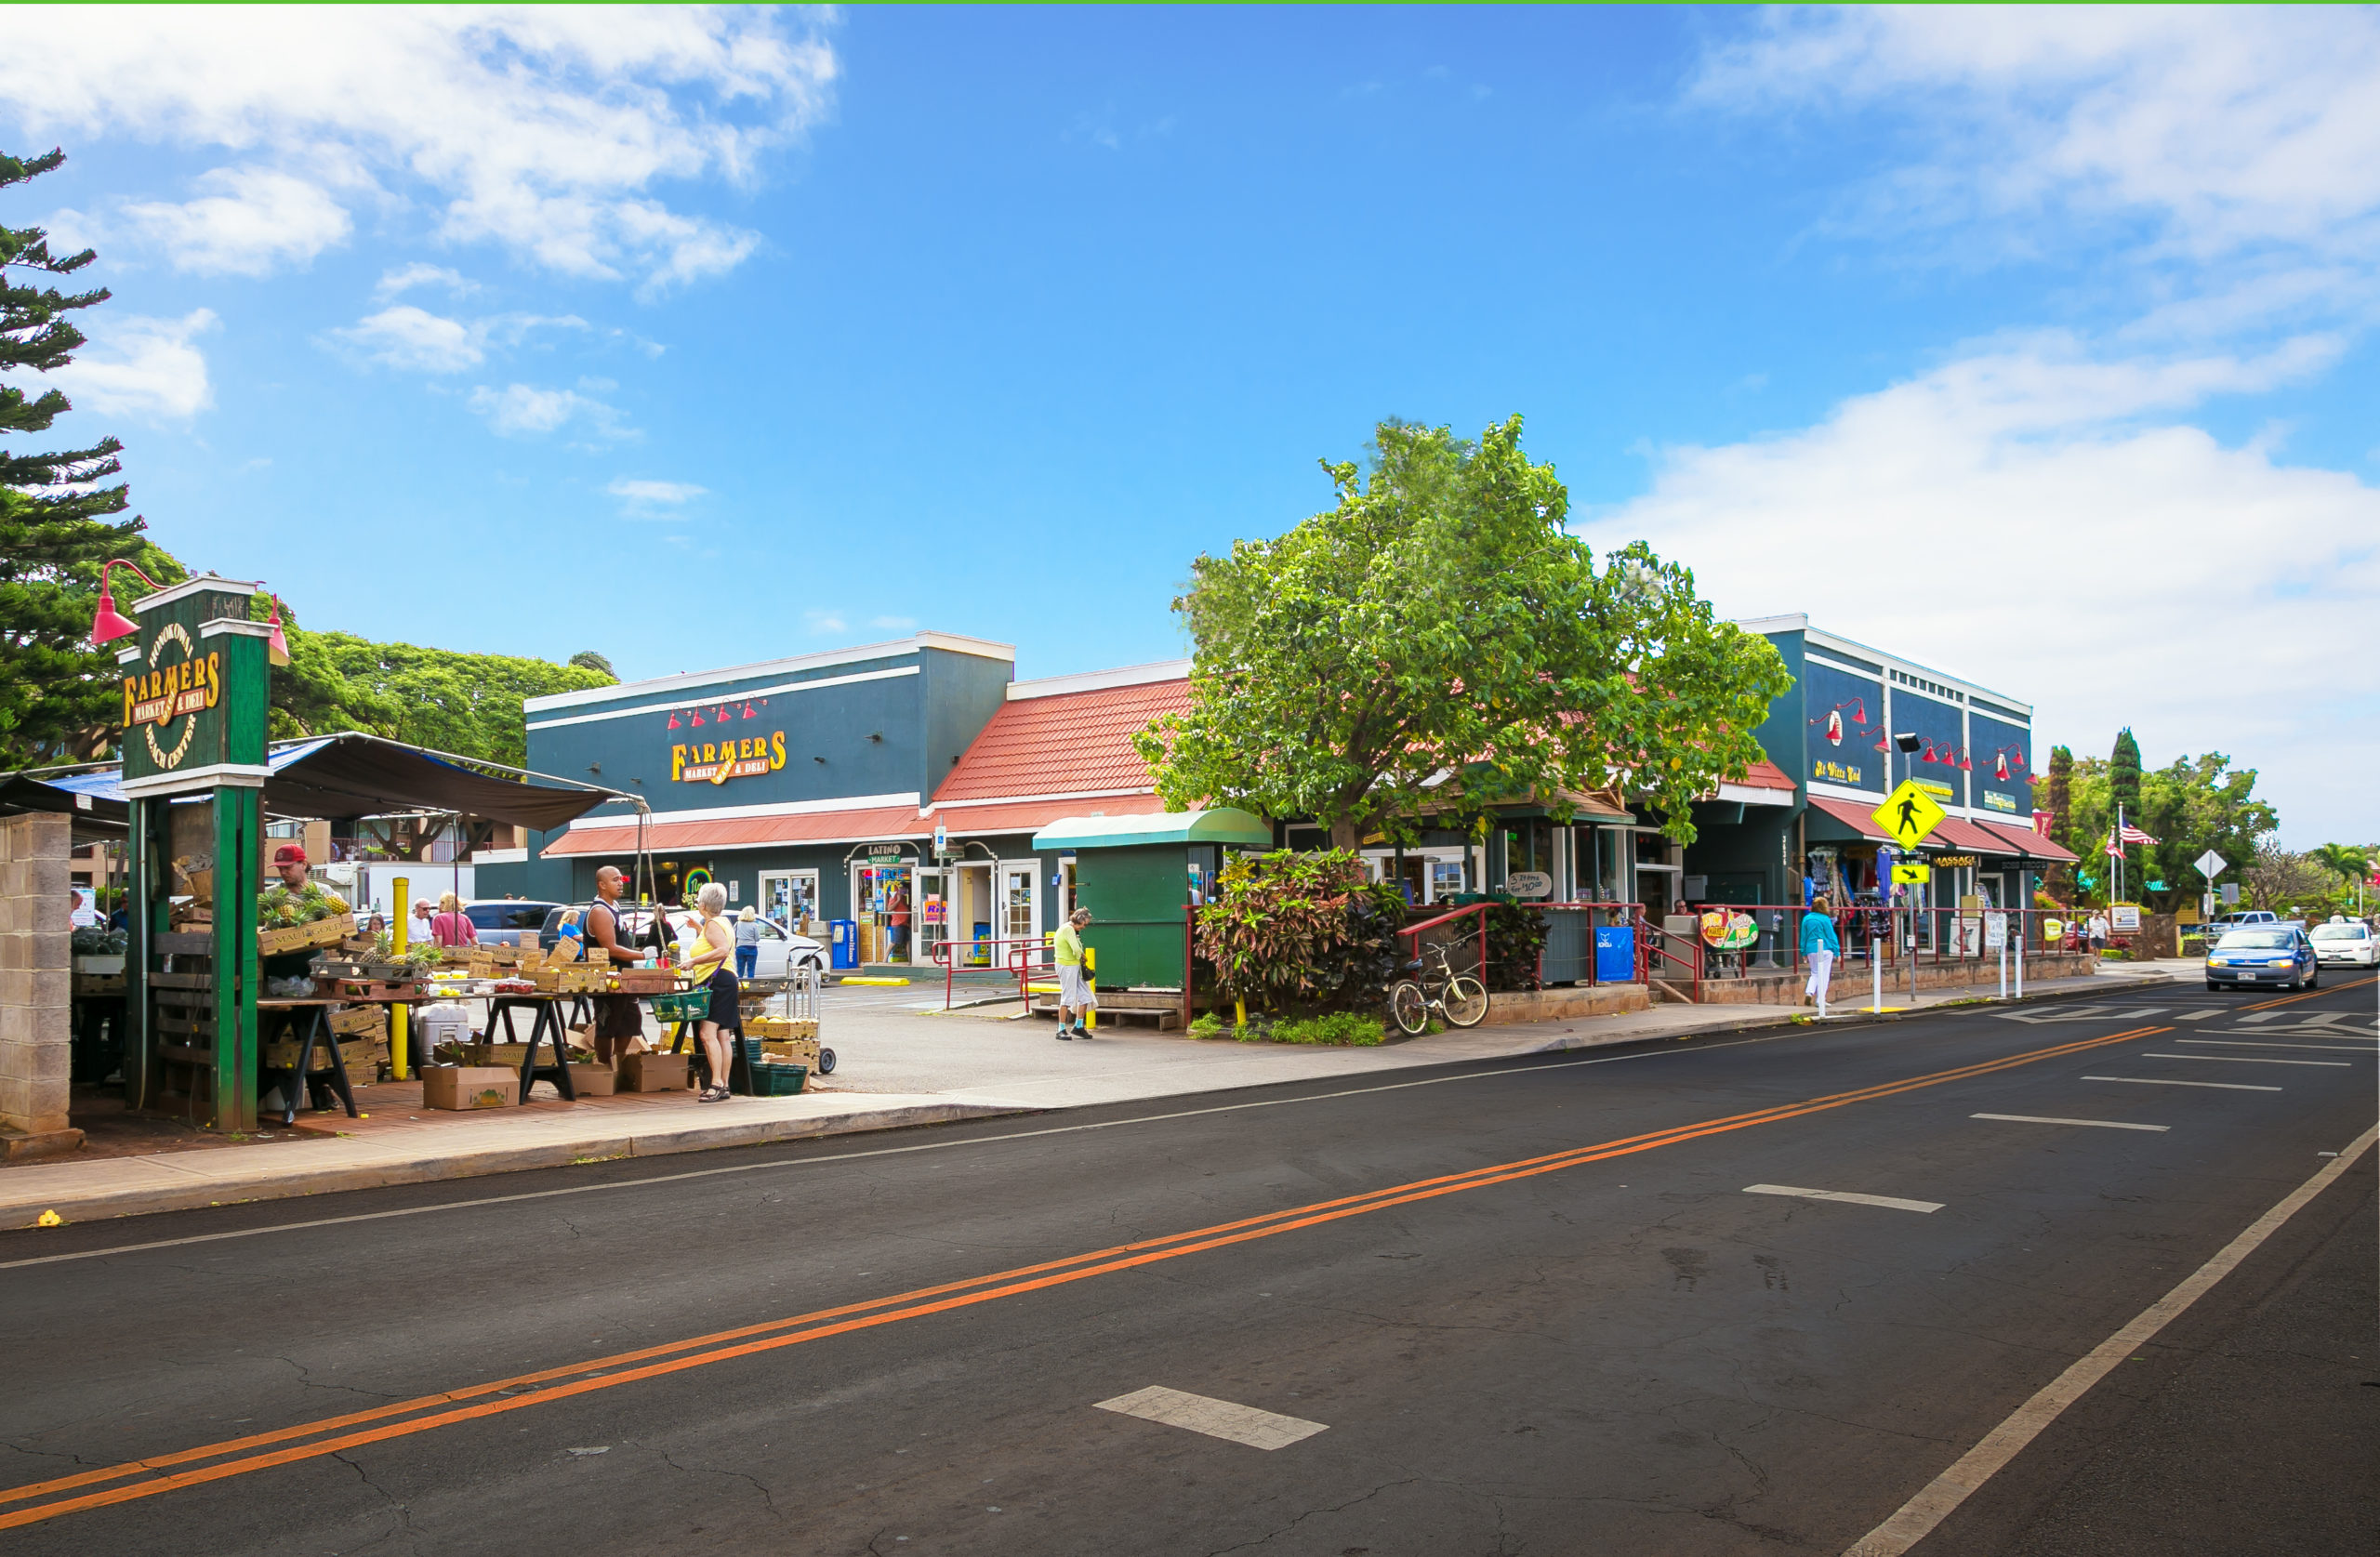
x=2263 y=955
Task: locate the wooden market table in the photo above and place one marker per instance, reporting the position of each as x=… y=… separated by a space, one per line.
x=545 y=1025
x=309 y=1015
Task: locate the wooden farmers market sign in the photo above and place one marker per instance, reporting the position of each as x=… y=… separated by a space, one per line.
x=195 y=691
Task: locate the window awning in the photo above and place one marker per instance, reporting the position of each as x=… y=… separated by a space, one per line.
x=2033 y=845
x=1223 y=825
x=617 y=837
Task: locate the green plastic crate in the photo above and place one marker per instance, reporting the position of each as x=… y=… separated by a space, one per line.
x=779 y=1081
x=694 y=1005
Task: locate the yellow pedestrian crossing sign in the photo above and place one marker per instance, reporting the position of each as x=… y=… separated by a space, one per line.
x=1908 y=814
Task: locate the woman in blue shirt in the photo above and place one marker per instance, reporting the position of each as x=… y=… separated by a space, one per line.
x=1820 y=946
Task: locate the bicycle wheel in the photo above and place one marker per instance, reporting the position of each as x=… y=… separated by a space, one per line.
x=1467 y=1001
x=1407 y=1008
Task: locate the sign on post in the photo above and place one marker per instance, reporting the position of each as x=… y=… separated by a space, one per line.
x=1911 y=875
x=1908 y=814
x=2124 y=919
x=2210 y=865
x=1995 y=929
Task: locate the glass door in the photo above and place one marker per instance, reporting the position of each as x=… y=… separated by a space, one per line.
x=933 y=912
x=1020 y=903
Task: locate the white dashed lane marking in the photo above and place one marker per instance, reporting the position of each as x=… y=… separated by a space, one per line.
x=2258 y=1043
x=2161 y=1081
x=1216 y=1418
x=2245 y=1059
x=1887 y=1202
x=2096 y=1124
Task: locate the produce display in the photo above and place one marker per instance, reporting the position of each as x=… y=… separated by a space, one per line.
x=278 y=908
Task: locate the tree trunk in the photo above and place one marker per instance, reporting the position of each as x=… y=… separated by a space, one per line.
x=1344 y=834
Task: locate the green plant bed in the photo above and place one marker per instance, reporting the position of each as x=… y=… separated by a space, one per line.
x=1337 y=1029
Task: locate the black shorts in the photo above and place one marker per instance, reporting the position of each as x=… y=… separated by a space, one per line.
x=725 y=1009
x=618 y=1016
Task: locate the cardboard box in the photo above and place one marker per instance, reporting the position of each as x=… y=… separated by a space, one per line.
x=593 y=1081
x=510 y=1054
x=467 y=1086
x=360 y=1020
x=650 y=1072
x=799 y=1051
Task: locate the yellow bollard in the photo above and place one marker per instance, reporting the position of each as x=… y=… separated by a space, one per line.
x=1240 y=1012
x=401 y=900
x=1089 y=965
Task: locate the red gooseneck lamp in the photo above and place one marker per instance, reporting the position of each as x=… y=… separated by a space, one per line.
x=107 y=623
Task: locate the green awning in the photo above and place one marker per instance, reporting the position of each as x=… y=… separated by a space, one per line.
x=1223 y=825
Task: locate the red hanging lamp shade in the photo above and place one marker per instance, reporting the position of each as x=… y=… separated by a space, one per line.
x=107 y=623
x=747 y=709
x=1966 y=765
x=673 y=718
x=2000 y=768
x=695 y=717
x=277 y=645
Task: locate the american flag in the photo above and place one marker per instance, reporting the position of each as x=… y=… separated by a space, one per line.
x=2131 y=834
x=2114 y=849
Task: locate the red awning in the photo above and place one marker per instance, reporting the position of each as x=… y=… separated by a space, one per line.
x=1967 y=838
x=1031 y=816
x=1857 y=815
x=746 y=832
x=2033 y=844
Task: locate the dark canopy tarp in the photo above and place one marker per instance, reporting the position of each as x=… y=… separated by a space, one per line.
x=97 y=818
x=344 y=776
x=340 y=777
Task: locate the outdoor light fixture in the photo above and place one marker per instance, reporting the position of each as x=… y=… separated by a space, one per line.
x=107 y=624
x=747 y=709
x=1909 y=744
x=696 y=716
x=673 y=718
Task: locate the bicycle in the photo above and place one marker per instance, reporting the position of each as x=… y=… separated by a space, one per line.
x=1458 y=997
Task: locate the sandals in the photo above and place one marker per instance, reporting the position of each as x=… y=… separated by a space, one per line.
x=712 y=1094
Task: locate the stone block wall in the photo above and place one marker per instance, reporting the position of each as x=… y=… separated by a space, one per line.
x=36 y=985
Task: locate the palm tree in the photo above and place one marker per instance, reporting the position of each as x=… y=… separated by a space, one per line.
x=2351 y=862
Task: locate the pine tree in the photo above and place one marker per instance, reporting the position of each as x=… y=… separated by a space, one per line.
x=57 y=691
x=2059 y=882
x=2124 y=775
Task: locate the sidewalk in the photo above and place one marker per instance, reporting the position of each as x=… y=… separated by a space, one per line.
x=899 y=1068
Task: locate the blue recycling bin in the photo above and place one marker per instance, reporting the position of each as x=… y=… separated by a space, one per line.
x=843 y=945
x=1614 y=954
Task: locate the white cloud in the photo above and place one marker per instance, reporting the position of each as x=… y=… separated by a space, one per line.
x=893 y=624
x=404 y=278
x=139 y=366
x=2025 y=518
x=406 y=336
x=540 y=128
x=825 y=622
x=416 y=340
x=520 y=409
x=2249 y=140
x=254 y=220
x=648 y=499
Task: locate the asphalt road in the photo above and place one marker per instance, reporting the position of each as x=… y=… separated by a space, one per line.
x=1526 y=1307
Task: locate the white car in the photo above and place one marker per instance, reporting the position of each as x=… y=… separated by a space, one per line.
x=2350 y=944
x=781 y=950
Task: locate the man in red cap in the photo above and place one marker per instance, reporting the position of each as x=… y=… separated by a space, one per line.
x=289 y=864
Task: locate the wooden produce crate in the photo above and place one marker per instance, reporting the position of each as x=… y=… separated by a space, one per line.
x=798 y=1051
x=645 y=981
x=781 y=1027
x=572 y=978
x=298 y=938
x=360 y=1021
x=99 y=984
x=358 y=1055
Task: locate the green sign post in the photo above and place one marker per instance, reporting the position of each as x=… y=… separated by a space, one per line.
x=196 y=686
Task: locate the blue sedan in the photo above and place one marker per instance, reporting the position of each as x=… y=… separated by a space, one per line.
x=2265 y=955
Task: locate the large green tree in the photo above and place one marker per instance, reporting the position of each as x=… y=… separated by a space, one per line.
x=56 y=693
x=1439 y=641
x=466 y=704
x=2189 y=806
x=2124 y=775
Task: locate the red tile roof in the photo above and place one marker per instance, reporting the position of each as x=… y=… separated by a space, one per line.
x=1764 y=775
x=1063 y=745
x=1967 y=838
x=815 y=826
x=1031 y=816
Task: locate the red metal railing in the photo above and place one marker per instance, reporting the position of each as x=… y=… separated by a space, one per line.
x=1475 y=910
x=1022 y=955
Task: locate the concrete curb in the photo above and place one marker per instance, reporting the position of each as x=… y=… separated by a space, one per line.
x=333 y=1177
x=1842 y=1022
x=21 y=1210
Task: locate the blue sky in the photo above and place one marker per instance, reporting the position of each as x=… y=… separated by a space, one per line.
x=702 y=338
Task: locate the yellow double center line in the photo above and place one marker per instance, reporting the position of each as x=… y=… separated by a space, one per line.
x=239 y=1457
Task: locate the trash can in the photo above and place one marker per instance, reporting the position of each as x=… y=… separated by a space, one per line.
x=982 y=955
x=844 y=941
x=1614 y=954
